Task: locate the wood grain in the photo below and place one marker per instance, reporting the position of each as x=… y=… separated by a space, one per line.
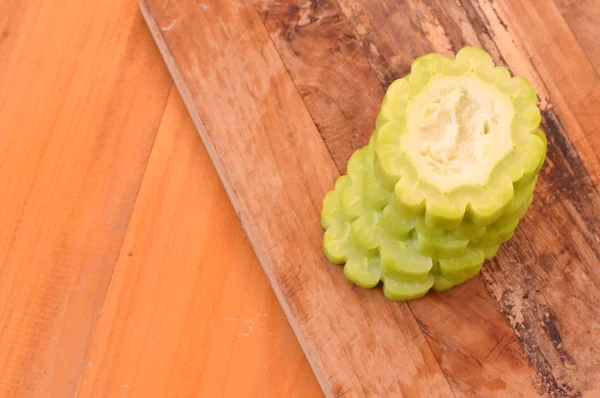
x=530 y=280
x=123 y=267
x=267 y=162
x=210 y=323
x=70 y=86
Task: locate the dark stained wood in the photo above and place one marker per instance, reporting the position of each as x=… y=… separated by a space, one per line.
x=326 y=62
x=529 y=325
x=402 y=37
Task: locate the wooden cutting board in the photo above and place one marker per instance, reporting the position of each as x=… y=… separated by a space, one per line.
x=283 y=92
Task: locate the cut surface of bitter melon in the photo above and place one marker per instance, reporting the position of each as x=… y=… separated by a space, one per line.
x=445 y=179
x=455 y=137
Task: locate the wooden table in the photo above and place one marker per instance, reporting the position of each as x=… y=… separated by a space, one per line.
x=124 y=270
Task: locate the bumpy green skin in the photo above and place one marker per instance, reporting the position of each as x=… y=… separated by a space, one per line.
x=386 y=224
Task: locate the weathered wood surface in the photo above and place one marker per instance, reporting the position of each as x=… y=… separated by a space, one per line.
x=283 y=92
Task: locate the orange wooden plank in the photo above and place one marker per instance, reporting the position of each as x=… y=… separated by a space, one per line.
x=189 y=311
x=82 y=89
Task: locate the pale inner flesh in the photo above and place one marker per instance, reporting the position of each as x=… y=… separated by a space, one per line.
x=458 y=130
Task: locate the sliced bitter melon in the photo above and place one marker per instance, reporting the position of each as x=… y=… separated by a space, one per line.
x=395 y=226
x=365 y=230
x=375 y=196
x=503 y=229
x=490 y=252
x=445 y=179
x=332 y=212
x=458 y=269
x=351 y=195
x=398 y=290
x=335 y=242
x=402 y=261
x=457 y=137
x=443 y=246
x=441 y=284
x=362 y=270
